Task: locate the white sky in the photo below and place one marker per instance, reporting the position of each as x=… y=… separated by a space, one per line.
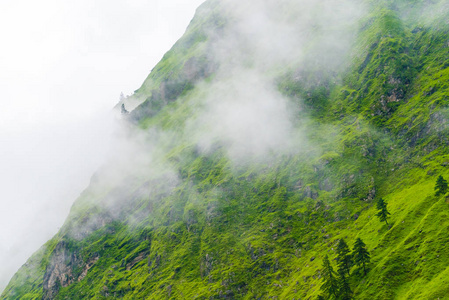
x=63 y=65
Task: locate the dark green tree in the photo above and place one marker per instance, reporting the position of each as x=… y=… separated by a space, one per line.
x=344 y=289
x=441 y=186
x=360 y=254
x=123 y=109
x=330 y=285
x=382 y=210
x=344 y=258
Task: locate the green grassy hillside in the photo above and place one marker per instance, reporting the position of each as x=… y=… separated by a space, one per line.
x=186 y=221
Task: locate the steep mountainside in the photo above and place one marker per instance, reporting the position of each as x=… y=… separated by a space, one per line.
x=266 y=135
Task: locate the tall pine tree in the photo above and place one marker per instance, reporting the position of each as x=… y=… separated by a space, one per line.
x=360 y=254
x=344 y=266
x=330 y=285
x=344 y=289
x=382 y=210
x=441 y=186
x=343 y=257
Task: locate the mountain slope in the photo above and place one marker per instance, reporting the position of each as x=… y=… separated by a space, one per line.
x=266 y=134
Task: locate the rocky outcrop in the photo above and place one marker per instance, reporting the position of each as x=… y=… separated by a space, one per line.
x=59 y=271
x=61 y=268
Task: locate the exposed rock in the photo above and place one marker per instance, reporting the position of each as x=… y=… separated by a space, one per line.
x=308 y=192
x=371 y=191
x=59 y=271
x=299 y=184
x=190 y=218
x=169 y=290
x=326 y=185
x=90 y=263
x=136 y=260
x=206 y=265
x=212 y=212
x=156 y=262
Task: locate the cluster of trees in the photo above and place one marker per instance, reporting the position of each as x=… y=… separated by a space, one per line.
x=336 y=284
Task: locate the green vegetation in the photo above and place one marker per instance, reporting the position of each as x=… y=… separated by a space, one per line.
x=360 y=254
x=382 y=210
x=375 y=132
x=344 y=258
x=339 y=287
x=441 y=186
x=330 y=283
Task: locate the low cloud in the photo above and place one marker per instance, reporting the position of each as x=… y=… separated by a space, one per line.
x=246 y=114
x=242 y=108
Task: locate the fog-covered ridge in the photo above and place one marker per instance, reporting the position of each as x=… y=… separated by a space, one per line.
x=263 y=139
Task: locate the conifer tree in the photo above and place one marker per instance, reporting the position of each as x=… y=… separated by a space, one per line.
x=344 y=290
x=330 y=285
x=343 y=257
x=382 y=210
x=360 y=254
x=441 y=186
x=344 y=266
x=123 y=109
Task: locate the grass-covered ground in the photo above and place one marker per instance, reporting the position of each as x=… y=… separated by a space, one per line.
x=261 y=229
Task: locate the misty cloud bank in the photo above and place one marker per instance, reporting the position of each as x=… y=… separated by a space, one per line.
x=63 y=67
x=242 y=107
x=43 y=169
x=246 y=114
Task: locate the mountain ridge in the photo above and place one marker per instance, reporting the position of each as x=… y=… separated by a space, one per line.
x=239 y=213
